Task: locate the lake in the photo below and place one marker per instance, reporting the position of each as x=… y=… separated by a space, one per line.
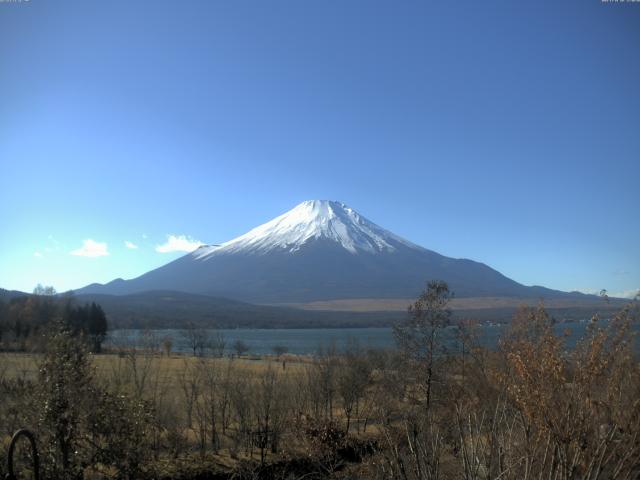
x=309 y=341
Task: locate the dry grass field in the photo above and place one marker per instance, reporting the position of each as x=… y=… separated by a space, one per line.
x=25 y=365
x=207 y=411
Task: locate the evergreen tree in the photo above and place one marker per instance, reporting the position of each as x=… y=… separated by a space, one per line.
x=64 y=383
x=97 y=326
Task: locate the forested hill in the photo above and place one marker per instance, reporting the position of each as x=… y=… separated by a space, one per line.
x=169 y=309
x=26 y=321
x=7 y=295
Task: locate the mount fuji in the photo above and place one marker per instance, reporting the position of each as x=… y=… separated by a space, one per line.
x=320 y=250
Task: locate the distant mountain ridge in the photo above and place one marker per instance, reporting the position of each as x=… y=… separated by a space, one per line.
x=7 y=295
x=321 y=250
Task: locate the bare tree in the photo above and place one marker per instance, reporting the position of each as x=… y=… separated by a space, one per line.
x=224 y=394
x=217 y=344
x=189 y=382
x=196 y=338
x=241 y=393
x=279 y=350
x=353 y=378
x=269 y=410
x=323 y=377
x=419 y=336
x=240 y=347
x=211 y=373
x=167 y=345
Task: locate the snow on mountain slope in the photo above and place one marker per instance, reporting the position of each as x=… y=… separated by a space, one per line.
x=313 y=219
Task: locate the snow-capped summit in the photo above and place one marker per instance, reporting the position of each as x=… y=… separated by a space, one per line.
x=312 y=220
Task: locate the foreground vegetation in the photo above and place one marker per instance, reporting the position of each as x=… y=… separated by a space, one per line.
x=531 y=409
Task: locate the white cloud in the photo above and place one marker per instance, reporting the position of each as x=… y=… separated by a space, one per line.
x=53 y=240
x=626 y=293
x=52 y=244
x=91 y=248
x=632 y=293
x=621 y=273
x=588 y=291
x=178 y=243
x=130 y=245
x=37 y=254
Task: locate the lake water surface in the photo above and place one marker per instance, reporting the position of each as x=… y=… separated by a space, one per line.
x=309 y=341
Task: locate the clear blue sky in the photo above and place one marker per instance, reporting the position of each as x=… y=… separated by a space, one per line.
x=506 y=132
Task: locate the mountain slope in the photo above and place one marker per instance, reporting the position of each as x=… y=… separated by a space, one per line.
x=320 y=250
x=171 y=309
